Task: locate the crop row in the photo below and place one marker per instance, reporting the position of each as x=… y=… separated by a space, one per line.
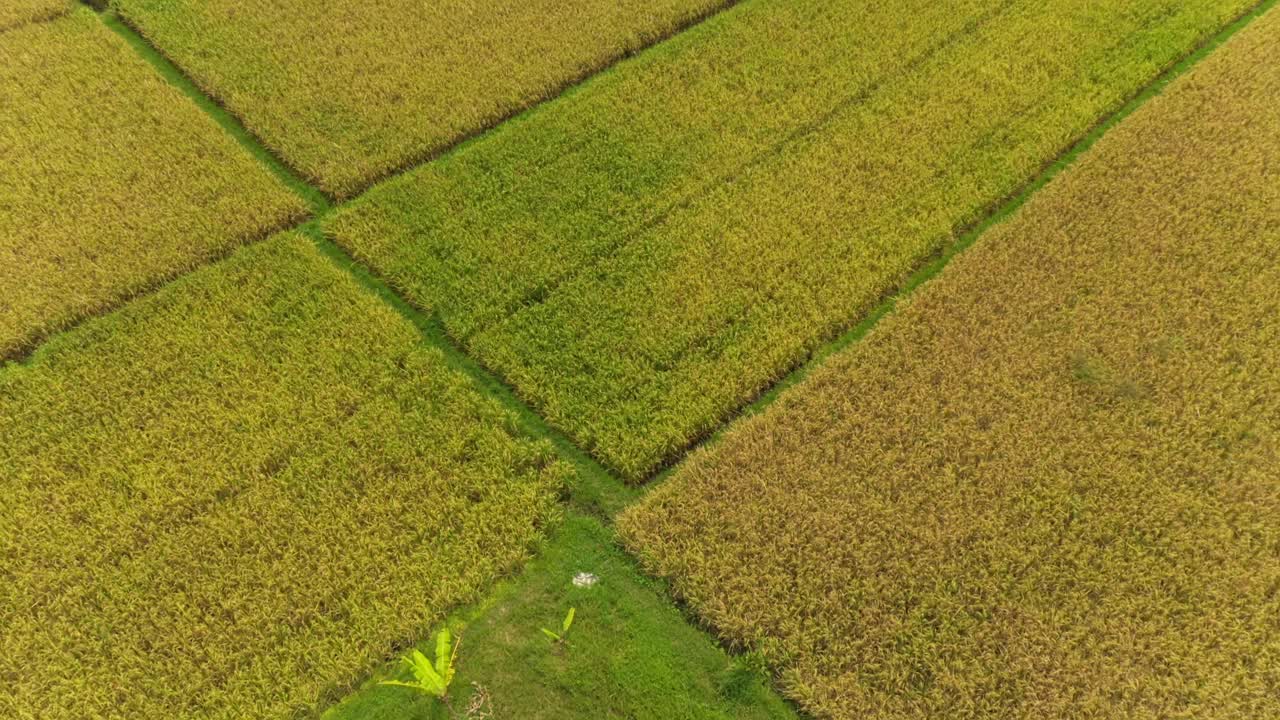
x=232 y=498
x=1046 y=486
x=112 y=181
x=638 y=262
x=350 y=92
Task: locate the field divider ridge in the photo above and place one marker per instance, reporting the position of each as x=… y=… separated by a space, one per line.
x=997 y=212
x=297 y=179
x=603 y=481
x=601 y=495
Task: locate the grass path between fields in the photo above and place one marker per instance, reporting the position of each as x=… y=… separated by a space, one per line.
x=598 y=495
x=630 y=652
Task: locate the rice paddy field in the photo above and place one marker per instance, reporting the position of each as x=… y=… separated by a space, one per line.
x=1047 y=485
x=691 y=359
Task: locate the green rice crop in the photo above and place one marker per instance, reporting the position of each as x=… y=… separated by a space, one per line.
x=481 y=232
x=638 y=261
x=348 y=92
x=234 y=497
x=112 y=180
x=1045 y=487
x=20 y=12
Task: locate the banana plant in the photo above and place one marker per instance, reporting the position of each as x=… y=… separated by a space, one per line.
x=432 y=679
x=561 y=636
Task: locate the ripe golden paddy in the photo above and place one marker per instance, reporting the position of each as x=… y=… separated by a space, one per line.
x=234 y=498
x=112 y=181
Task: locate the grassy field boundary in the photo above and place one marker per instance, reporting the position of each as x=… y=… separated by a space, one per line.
x=321 y=200
x=603 y=492
x=598 y=492
x=1000 y=211
x=318 y=202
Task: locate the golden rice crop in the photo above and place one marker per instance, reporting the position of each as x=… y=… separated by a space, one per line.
x=348 y=92
x=233 y=497
x=707 y=273
x=1046 y=487
x=20 y=12
x=111 y=179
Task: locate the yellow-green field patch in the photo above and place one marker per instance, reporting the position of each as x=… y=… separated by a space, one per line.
x=20 y=12
x=478 y=234
x=112 y=180
x=232 y=498
x=653 y=280
x=349 y=92
x=1046 y=487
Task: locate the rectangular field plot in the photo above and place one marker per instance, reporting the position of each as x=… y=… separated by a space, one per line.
x=233 y=498
x=20 y=12
x=349 y=92
x=111 y=179
x=639 y=261
x=1046 y=487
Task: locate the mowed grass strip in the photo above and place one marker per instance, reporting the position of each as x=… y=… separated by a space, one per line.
x=629 y=654
x=20 y=12
x=233 y=498
x=349 y=93
x=1046 y=486
x=680 y=318
x=112 y=180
